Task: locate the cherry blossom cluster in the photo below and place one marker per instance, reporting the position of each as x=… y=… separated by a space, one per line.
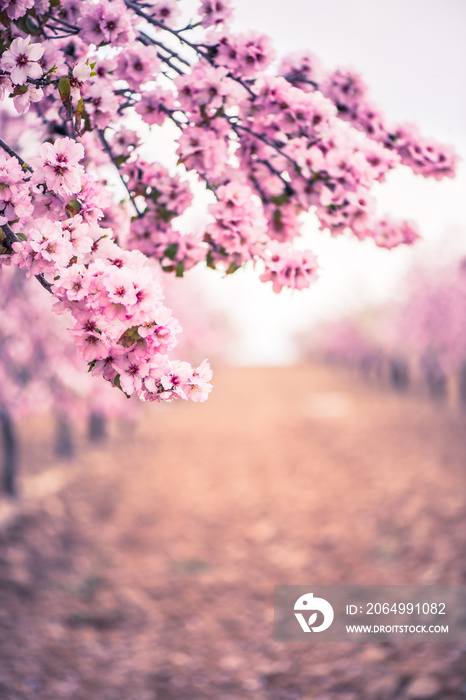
x=39 y=370
x=121 y=326
x=15 y=204
x=350 y=95
x=269 y=145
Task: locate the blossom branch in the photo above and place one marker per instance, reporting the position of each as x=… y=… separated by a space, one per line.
x=9 y=239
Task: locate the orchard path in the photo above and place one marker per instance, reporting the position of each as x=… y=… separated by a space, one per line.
x=148 y=574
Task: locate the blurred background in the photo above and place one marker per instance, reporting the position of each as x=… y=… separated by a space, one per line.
x=139 y=551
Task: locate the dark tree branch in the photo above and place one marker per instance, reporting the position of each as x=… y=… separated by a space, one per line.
x=13 y=154
x=109 y=152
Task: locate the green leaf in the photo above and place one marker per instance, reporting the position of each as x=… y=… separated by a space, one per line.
x=4 y=19
x=119 y=160
x=171 y=251
x=73 y=207
x=79 y=114
x=117 y=383
x=21 y=236
x=165 y=214
x=232 y=268
x=64 y=88
x=30 y=26
x=180 y=269
x=19 y=90
x=129 y=337
x=280 y=199
x=210 y=260
x=277 y=220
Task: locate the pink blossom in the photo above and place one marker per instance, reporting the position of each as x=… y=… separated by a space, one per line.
x=285 y=267
x=101 y=104
x=138 y=64
x=388 y=233
x=165 y=11
x=21 y=60
x=205 y=150
x=119 y=285
x=215 y=12
x=53 y=57
x=155 y=105
x=16 y=8
x=302 y=69
x=58 y=165
x=107 y=22
x=23 y=101
x=244 y=55
x=207 y=90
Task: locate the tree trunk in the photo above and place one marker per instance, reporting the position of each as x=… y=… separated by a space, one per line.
x=64 y=446
x=399 y=374
x=10 y=454
x=96 y=427
x=437 y=383
x=462 y=384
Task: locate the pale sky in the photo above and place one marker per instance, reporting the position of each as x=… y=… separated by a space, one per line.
x=412 y=55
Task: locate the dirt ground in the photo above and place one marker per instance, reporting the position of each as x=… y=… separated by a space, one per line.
x=144 y=569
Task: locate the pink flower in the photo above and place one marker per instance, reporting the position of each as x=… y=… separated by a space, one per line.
x=107 y=22
x=155 y=105
x=119 y=285
x=23 y=101
x=209 y=88
x=132 y=373
x=244 y=55
x=215 y=12
x=102 y=104
x=302 y=69
x=286 y=267
x=16 y=8
x=199 y=386
x=166 y=11
x=388 y=233
x=205 y=150
x=58 y=165
x=21 y=60
x=137 y=65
